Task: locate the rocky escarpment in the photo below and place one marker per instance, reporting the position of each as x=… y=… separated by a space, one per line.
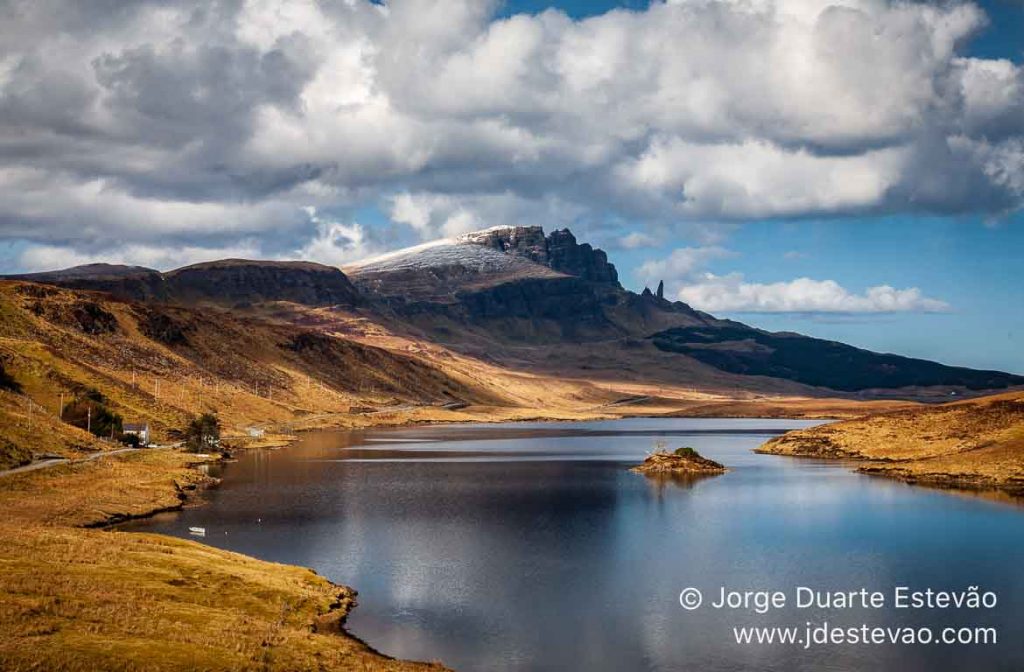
x=515 y=283
x=235 y=281
x=135 y=283
x=559 y=251
x=230 y=282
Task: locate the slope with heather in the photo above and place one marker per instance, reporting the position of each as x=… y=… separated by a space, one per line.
x=977 y=443
x=163 y=364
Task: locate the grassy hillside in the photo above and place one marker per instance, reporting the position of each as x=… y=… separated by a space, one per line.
x=80 y=599
x=162 y=365
x=813 y=361
x=975 y=443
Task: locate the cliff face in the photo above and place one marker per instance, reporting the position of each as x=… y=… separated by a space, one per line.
x=135 y=283
x=236 y=281
x=516 y=283
x=583 y=261
x=230 y=281
x=558 y=251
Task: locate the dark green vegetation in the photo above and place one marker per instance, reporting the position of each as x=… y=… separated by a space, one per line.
x=203 y=433
x=685 y=451
x=813 y=361
x=7 y=382
x=89 y=411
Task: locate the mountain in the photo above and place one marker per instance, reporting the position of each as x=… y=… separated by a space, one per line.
x=230 y=282
x=525 y=302
x=525 y=291
x=130 y=282
x=239 y=281
x=514 y=284
x=740 y=349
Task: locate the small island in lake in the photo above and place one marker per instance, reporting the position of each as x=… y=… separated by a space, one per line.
x=684 y=460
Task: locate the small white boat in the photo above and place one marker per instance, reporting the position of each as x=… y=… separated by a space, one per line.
x=197 y=531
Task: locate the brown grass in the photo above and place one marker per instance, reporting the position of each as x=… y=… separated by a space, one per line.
x=81 y=599
x=977 y=443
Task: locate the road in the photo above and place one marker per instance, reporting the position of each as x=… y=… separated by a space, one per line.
x=43 y=464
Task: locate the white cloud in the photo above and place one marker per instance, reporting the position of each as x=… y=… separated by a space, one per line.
x=730 y=293
x=637 y=239
x=335 y=243
x=49 y=257
x=687 y=279
x=681 y=265
x=220 y=122
x=757 y=179
x=431 y=214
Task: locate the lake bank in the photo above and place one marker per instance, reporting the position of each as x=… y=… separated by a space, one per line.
x=88 y=599
x=68 y=586
x=531 y=547
x=975 y=444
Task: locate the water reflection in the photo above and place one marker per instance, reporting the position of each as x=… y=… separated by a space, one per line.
x=531 y=547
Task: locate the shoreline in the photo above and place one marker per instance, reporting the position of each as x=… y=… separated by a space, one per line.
x=78 y=501
x=65 y=550
x=975 y=445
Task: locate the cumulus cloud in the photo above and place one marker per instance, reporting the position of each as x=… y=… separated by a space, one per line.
x=637 y=239
x=687 y=279
x=336 y=243
x=682 y=265
x=730 y=293
x=187 y=123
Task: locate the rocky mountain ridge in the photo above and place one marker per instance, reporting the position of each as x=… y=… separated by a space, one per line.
x=516 y=290
x=231 y=282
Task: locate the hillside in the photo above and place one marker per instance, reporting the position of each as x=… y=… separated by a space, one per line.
x=229 y=282
x=521 y=297
x=162 y=364
x=977 y=443
x=532 y=306
x=741 y=349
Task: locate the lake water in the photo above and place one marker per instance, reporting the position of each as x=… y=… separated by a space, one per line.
x=530 y=546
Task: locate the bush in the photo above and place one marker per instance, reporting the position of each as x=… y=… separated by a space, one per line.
x=130 y=440
x=7 y=382
x=686 y=451
x=203 y=434
x=89 y=411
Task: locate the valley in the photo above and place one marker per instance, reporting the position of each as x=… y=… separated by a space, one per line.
x=503 y=325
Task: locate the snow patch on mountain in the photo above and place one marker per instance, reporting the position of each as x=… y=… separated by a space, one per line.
x=464 y=252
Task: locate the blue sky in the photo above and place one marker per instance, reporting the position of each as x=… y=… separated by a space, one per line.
x=854 y=173
x=973 y=263
x=972 y=266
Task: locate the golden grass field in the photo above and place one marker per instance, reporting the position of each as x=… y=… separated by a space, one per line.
x=977 y=443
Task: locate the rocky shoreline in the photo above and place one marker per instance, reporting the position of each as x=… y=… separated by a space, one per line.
x=682 y=461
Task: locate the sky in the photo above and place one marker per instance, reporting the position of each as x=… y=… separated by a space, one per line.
x=850 y=169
